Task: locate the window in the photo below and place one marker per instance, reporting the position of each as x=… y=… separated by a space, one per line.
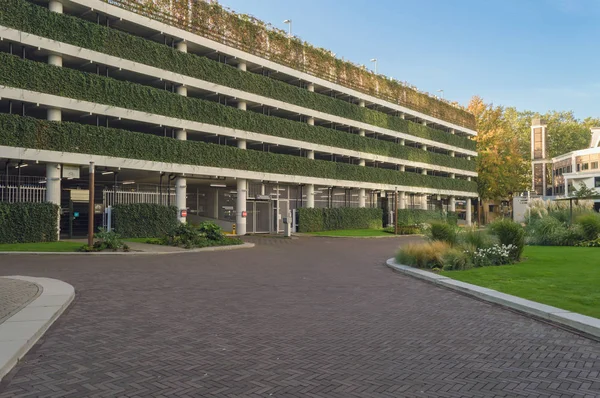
x=597 y=182
x=492 y=208
x=585 y=166
x=594 y=165
x=578 y=166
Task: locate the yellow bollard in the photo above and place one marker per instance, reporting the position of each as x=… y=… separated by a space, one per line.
x=233 y=231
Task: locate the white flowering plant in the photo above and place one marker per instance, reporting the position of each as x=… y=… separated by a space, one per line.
x=493 y=255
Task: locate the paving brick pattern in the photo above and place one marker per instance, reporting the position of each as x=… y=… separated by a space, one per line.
x=312 y=317
x=14 y=295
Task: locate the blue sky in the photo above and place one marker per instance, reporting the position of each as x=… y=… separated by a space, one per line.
x=533 y=54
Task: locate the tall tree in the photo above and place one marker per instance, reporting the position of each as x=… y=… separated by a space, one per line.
x=501 y=167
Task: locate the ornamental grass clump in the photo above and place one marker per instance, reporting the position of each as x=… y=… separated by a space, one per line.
x=423 y=255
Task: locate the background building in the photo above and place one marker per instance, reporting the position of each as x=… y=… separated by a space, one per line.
x=191 y=105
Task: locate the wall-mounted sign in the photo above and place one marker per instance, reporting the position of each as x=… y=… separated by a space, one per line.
x=70 y=171
x=244 y=214
x=263 y=197
x=183 y=213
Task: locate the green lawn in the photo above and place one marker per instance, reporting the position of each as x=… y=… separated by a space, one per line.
x=352 y=232
x=138 y=240
x=41 y=247
x=563 y=277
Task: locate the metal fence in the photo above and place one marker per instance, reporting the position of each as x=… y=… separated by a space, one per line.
x=22 y=189
x=110 y=197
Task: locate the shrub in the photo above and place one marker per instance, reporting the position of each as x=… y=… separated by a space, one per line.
x=440 y=231
x=211 y=230
x=144 y=220
x=404 y=229
x=476 y=238
x=456 y=259
x=511 y=234
x=314 y=220
x=423 y=255
x=495 y=255
x=413 y=217
x=105 y=240
x=589 y=243
x=28 y=222
x=548 y=231
x=590 y=223
x=205 y=235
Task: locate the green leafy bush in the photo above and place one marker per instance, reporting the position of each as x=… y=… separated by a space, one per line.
x=314 y=220
x=36 y=76
x=404 y=230
x=211 y=230
x=510 y=233
x=105 y=240
x=144 y=220
x=28 y=222
x=411 y=217
x=441 y=231
x=205 y=235
x=475 y=238
x=25 y=16
x=549 y=231
x=590 y=223
x=19 y=131
x=456 y=259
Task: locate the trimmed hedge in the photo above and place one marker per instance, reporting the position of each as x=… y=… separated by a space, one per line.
x=27 y=132
x=144 y=220
x=28 y=222
x=408 y=217
x=34 y=19
x=314 y=220
x=36 y=76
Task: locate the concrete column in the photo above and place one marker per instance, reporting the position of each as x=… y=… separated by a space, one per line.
x=310 y=154
x=241 y=65
x=424 y=147
x=468 y=178
x=54 y=115
x=54 y=59
x=361 y=132
x=311 y=87
x=361 y=103
x=181 y=134
x=240 y=206
x=241 y=143
x=402 y=116
x=181 y=46
x=53 y=190
x=424 y=122
x=216 y=204
x=180 y=197
x=453 y=176
x=55 y=6
x=361 y=162
x=468 y=217
x=310 y=195
x=311 y=121
x=241 y=105
x=424 y=172
x=468 y=158
x=181 y=90
x=424 y=202
x=402 y=168
x=361 y=197
x=452 y=154
x=402 y=141
x=452 y=203
x=452 y=131
x=401 y=200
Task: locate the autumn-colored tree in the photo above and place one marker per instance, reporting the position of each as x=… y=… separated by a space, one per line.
x=501 y=167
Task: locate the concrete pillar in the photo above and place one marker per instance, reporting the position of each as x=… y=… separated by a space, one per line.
x=361 y=103
x=54 y=59
x=402 y=141
x=216 y=204
x=241 y=143
x=452 y=203
x=310 y=195
x=401 y=200
x=361 y=132
x=452 y=131
x=241 y=105
x=180 y=197
x=54 y=115
x=55 y=6
x=468 y=178
x=402 y=116
x=424 y=147
x=424 y=122
x=181 y=134
x=311 y=87
x=468 y=217
x=452 y=175
x=182 y=90
x=361 y=162
x=452 y=153
x=240 y=206
x=361 y=197
x=310 y=154
x=53 y=190
x=424 y=202
x=402 y=168
x=468 y=158
x=311 y=121
x=424 y=172
x=181 y=46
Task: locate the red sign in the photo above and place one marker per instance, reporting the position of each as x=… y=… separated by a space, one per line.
x=244 y=213
x=183 y=213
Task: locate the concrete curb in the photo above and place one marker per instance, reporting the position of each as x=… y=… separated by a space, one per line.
x=582 y=323
x=22 y=330
x=392 y=236
x=202 y=249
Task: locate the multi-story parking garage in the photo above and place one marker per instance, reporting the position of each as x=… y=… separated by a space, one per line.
x=191 y=105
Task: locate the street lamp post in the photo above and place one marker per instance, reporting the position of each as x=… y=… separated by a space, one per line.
x=374 y=60
x=289 y=23
x=441 y=93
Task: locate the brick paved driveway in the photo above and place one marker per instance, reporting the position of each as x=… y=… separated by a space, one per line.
x=312 y=317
